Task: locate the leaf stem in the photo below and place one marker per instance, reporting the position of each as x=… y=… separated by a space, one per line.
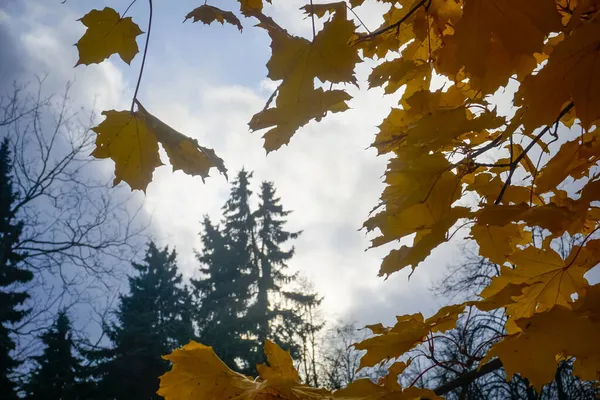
x=137 y=86
x=312 y=17
x=127 y=9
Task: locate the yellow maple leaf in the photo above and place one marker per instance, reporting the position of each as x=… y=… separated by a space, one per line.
x=250 y=7
x=280 y=364
x=131 y=141
x=364 y=389
x=532 y=352
x=400 y=72
x=574 y=159
x=501 y=35
x=546 y=280
x=107 y=34
x=292 y=113
x=198 y=373
x=557 y=218
x=184 y=152
x=321 y=9
x=208 y=14
x=408 y=331
x=430 y=121
x=126 y=139
x=489 y=186
x=497 y=243
x=428 y=238
x=297 y=62
x=571 y=73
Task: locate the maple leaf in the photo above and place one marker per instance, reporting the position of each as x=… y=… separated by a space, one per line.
x=497 y=243
x=280 y=364
x=397 y=73
x=126 y=138
x=131 y=140
x=107 y=34
x=288 y=115
x=557 y=218
x=428 y=238
x=197 y=373
x=490 y=186
x=208 y=14
x=571 y=73
x=251 y=7
x=532 y=352
x=365 y=389
x=297 y=62
x=430 y=121
x=408 y=331
x=501 y=35
x=574 y=159
x=545 y=278
x=321 y=9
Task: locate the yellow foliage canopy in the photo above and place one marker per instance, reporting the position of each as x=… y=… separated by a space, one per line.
x=456 y=165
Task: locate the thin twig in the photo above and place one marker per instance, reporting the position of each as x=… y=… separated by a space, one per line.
x=358 y=18
x=516 y=161
x=395 y=24
x=137 y=86
x=128 y=7
x=312 y=18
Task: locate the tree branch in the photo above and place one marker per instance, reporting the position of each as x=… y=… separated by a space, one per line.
x=517 y=160
x=469 y=377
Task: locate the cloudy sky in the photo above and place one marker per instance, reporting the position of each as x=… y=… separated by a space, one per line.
x=207 y=82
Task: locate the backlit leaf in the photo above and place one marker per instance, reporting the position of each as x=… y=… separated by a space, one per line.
x=297 y=62
x=493 y=33
x=280 y=364
x=571 y=73
x=546 y=279
x=131 y=141
x=208 y=14
x=107 y=34
x=409 y=331
x=197 y=373
x=532 y=352
x=126 y=138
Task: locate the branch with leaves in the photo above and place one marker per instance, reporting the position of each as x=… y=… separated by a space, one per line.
x=456 y=163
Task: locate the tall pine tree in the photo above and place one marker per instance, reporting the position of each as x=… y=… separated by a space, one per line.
x=278 y=312
x=152 y=320
x=245 y=284
x=11 y=274
x=58 y=373
x=227 y=273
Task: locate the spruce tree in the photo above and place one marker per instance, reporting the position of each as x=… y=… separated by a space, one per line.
x=244 y=290
x=224 y=287
x=152 y=320
x=11 y=274
x=279 y=311
x=58 y=371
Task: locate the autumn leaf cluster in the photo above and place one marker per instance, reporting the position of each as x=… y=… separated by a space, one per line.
x=456 y=164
